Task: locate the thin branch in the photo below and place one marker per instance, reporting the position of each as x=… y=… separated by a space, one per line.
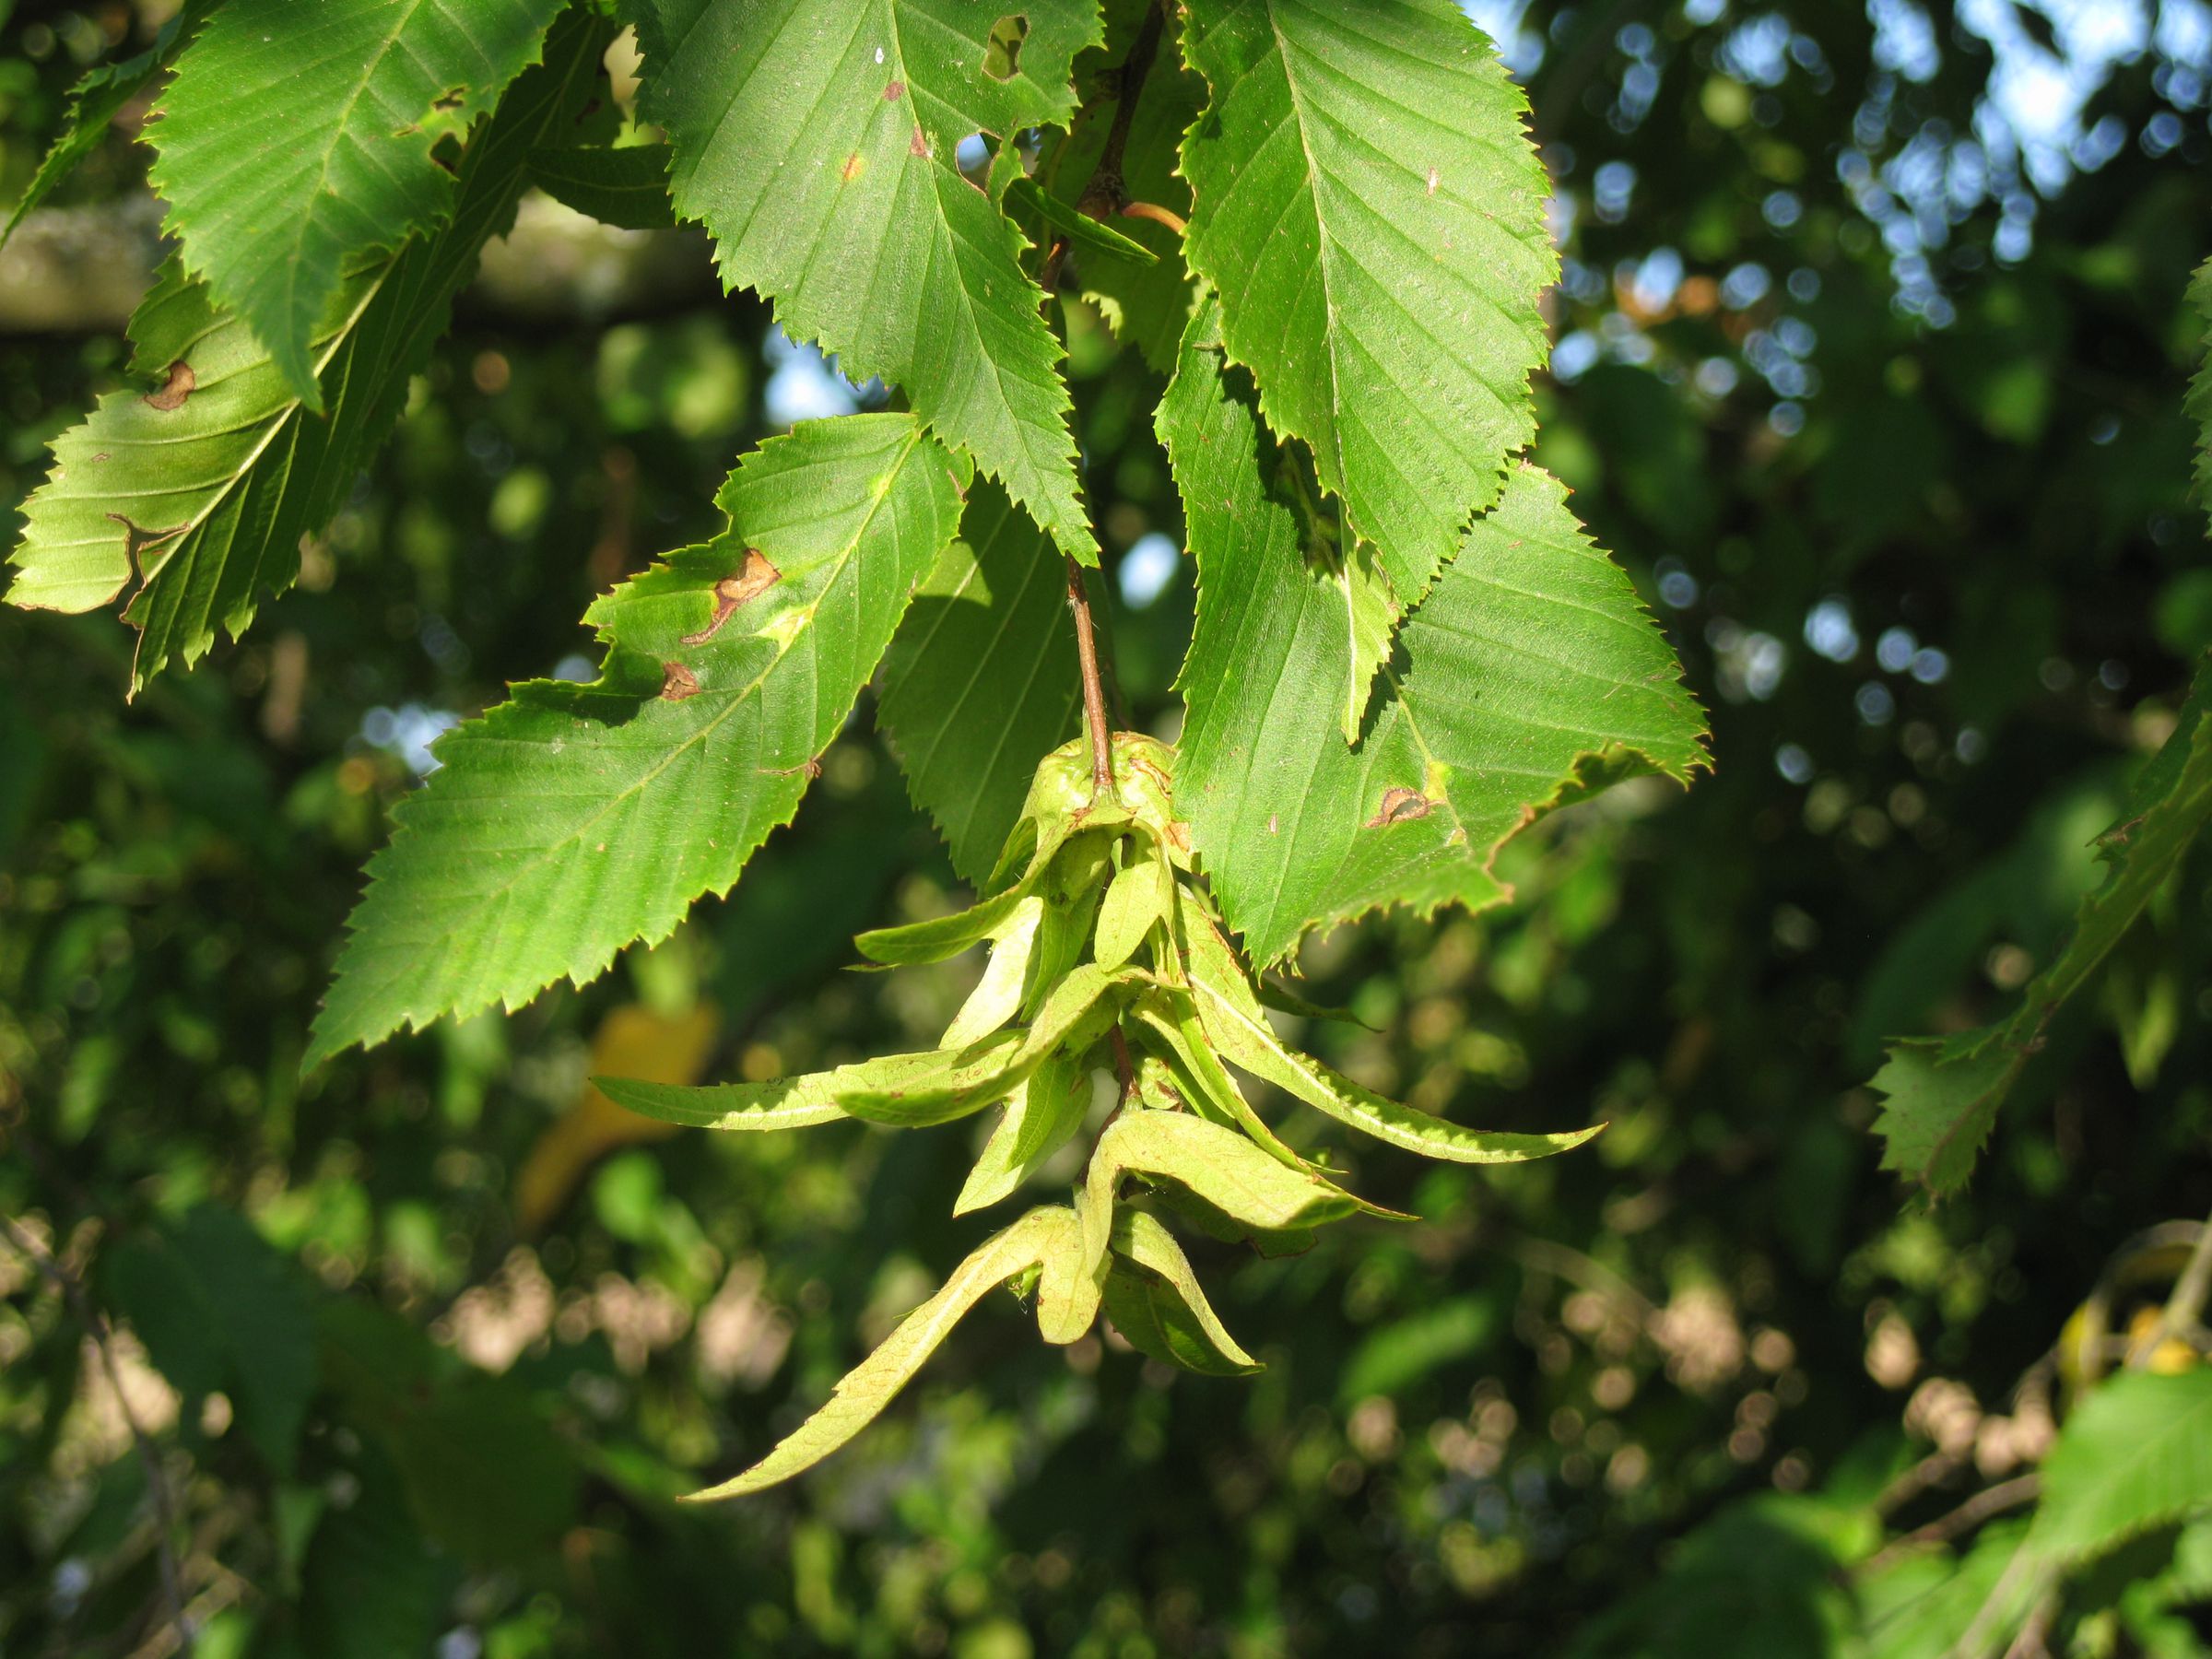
x=1983 y=1506
x=157 y=1482
x=1104 y=193
x=1094 y=688
x=2184 y=1310
x=1158 y=214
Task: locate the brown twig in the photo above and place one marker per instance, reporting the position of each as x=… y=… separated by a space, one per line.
x=1104 y=194
x=1158 y=214
x=157 y=1482
x=1984 y=1505
x=2183 y=1314
x=1094 y=688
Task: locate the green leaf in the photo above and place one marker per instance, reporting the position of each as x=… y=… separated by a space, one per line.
x=1175 y=1315
x=1040 y=1118
x=943 y=937
x=486 y=1474
x=2134 y=1454
x=980 y=682
x=1941 y=1097
x=94 y=102
x=868 y=1388
x=1146 y=304
x=571 y=820
x=1238 y=1027
x=2197 y=405
x=270 y=210
x=1371 y=212
x=1940 y=1102
x=1530 y=677
x=627 y=187
x=815 y=139
x=206 y=487
x=1220 y=1165
x=219 y=1307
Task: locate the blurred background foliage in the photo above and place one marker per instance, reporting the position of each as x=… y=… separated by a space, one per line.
x=1871 y=352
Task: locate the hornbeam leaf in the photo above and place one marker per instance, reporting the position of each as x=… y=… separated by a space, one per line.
x=1371 y=212
x=1529 y=678
x=626 y=187
x=2197 y=403
x=1234 y=1020
x=206 y=487
x=1943 y=1095
x=571 y=820
x=980 y=682
x=815 y=139
x=870 y=1385
x=1219 y=1165
x=1182 y=1321
x=2135 y=1455
x=1043 y=1113
x=94 y=102
x=270 y=212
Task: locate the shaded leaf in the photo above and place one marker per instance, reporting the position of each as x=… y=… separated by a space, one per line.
x=1040 y=1118
x=94 y=102
x=980 y=682
x=219 y=1309
x=626 y=186
x=1942 y=1096
x=1181 y=1320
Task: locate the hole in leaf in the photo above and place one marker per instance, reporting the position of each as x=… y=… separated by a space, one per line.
x=1002 y=51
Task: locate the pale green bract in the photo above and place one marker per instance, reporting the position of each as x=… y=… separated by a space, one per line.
x=815 y=139
x=1373 y=215
x=869 y=1386
x=1942 y=1095
x=271 y=211
x=1530 y=676
x=573 y=820
x=202 y=488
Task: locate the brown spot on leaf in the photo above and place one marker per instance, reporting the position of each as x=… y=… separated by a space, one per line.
x=677 y=682
x=755 y=579
x=919 y=144
x=851 y=169
x=894 y=92
x=137 y=538
x=175 y=389
x=813 y=768
x=1400 y=805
